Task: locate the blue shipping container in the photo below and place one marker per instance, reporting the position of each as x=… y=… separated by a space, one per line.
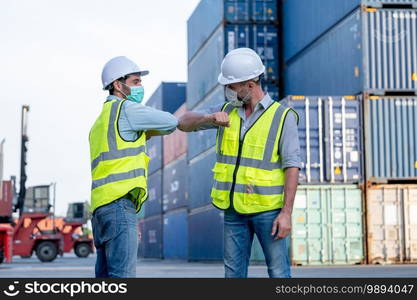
x=304 y=21
x=153 y=205
x=390 y=138
x=204 y=68
x=175 y=232
x=200 y=179
x=152 y=237
x=154 y=150
x=202 y=140
x=372 y=50
x=210 y=14
x=330 y=139
x=169 y=96
x=175 y=184
x=205 y=234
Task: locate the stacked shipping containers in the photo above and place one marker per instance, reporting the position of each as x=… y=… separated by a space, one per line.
x=169 y=96
x=215 y=28
x=175 y=198
x=367 y=49
x=328 y=213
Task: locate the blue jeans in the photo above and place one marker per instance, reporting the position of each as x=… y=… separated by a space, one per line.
x=238 y=237
x=116 y=239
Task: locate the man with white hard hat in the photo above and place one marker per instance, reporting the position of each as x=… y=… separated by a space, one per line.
x=258 y=161
x=119 y=165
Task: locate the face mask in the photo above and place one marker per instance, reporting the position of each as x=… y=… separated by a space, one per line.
x=136 y=93
x=233 y=98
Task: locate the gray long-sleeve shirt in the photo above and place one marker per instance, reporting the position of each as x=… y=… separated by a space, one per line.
x=289 y=146
x=135 y=118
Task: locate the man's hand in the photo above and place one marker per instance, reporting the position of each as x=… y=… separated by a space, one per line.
x=219 y=118
x=282 y=225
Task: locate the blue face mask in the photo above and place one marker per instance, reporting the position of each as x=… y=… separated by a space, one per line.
x=136 y=93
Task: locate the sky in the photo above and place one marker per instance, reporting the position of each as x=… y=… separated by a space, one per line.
x=51 y=57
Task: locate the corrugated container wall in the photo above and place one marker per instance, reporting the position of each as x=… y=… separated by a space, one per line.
x=176 y=143
x=210 y=14
x=154 y=150
x=175 y=232
x=327 y=225
x=169 y=96
x=153 y=205
x=370 y=50
x=330 y=137
x=205 y=234
x=202 y=140
x=390 y=138
x=151 y=237
x=204 y=68
x=200 y=179
x=318 y=16
x=175 y=184
x=392 y=223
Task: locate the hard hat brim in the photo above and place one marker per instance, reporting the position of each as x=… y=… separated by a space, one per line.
x=141 y=73
x=224 y=81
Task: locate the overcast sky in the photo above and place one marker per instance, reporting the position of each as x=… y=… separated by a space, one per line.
x=51 y=56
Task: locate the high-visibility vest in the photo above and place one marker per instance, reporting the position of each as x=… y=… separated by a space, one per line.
x=248 y=171
x=118 y=167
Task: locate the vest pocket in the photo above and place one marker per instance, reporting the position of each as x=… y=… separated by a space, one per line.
x=255 y=179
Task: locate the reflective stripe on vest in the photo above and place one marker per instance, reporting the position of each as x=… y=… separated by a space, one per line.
x=119 y=167
x=252 y=184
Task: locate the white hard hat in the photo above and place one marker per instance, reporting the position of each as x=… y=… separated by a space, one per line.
x=239 y=65
x=117 y=67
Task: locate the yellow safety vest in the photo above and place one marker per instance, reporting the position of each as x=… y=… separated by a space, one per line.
x=118 y=167
x=248 y=171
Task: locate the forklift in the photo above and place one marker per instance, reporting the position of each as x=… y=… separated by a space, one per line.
x=23 y=236
x=75 y=237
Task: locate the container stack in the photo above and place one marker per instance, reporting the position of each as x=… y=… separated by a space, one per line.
x=175 y=198
x=215 y=28
x=328 y=213
x=169 y=97
x=367 y=49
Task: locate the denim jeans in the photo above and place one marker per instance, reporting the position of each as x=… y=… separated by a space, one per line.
x=239 y=231
x=116 y=239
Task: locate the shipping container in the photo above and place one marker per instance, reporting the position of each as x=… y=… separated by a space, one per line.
x=372 y=50
x=392 y=223
x=318 y=17
x=200 y=179
x=141 y=238
x=37 y=199
x=175 y=232
x=153 y=205
x=330 y=137
x=169 y=96
x=205 y=234
x=151 y=237
x=202 y=140
x=6 y=200
x=204 y=68
x=390 y=138
x=175 y=144
x=175 y=184
x=327 y=225
x=155 y=152
x=211 y=14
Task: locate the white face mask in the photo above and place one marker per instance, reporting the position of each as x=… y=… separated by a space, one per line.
x=232 y=97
